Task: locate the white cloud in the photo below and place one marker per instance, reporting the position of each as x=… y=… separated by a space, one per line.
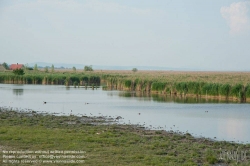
x=236 y=16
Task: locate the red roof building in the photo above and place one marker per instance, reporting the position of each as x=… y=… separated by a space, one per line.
x=16 y=66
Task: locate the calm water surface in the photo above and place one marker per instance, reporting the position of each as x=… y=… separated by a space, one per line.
x=225 y=121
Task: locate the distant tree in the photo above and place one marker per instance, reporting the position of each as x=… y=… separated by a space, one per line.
x=88 y=68
x=74 y=68
x=134 y=69
x=18 y=72
x=6 y=66
x=52 y=68
x=35 y=67
x=46 y=69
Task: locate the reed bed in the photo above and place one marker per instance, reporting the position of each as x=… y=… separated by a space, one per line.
x=231 y=85
x=55 y=78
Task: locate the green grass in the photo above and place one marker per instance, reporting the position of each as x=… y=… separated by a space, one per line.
x=108 y=144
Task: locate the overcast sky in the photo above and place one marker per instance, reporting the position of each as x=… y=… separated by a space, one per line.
x=195 y=34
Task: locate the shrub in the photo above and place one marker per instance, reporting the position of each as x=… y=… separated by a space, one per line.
x=134 y=69
x=18 y=72
x=88 y=68
x=128 y=83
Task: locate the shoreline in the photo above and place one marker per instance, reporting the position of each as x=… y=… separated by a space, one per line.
x=184 y=96
x=30 y=130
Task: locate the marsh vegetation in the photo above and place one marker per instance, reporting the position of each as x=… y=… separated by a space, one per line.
x=226 y=85
x=108 y=143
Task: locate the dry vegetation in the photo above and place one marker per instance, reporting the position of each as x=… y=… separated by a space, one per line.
x=184 y=76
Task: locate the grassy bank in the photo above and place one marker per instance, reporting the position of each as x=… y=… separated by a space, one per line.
x=109 y=144
x=220 y=85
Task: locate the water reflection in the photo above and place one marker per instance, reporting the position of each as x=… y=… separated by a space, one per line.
x=173 y=98
x=18 y=92
x=232 y=128
x=180 y=99
x=230 y=122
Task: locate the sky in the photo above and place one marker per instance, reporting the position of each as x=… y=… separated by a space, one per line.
x=193 y=34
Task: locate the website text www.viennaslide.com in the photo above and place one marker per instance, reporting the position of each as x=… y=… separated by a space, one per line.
x=46 y=157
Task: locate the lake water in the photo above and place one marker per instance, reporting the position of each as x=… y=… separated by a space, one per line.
x=225 y=121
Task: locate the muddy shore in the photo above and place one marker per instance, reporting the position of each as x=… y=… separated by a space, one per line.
x=108 y=143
